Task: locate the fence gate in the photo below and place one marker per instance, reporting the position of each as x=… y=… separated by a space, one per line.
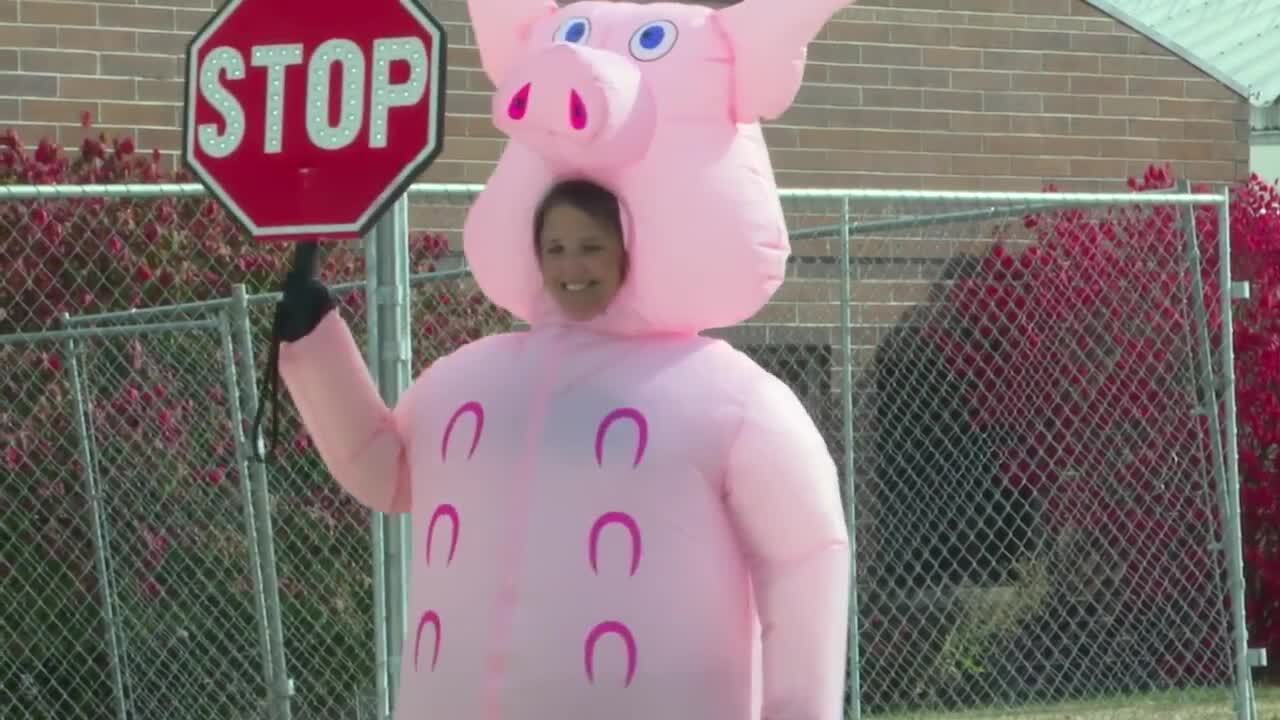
x=136 y=552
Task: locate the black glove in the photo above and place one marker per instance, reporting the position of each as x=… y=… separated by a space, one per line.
x=305 y=302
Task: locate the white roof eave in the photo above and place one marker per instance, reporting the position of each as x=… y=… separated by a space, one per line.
x=1236 y=42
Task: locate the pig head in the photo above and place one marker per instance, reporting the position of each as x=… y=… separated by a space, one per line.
x=661 y=103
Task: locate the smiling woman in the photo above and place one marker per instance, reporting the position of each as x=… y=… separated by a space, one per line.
x=579 y=241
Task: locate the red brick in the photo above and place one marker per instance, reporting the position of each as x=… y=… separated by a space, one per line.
x=92 y=87
x=28 y=36
x=152 y=67
x=1130 y=107
x=985 y=38
x=919 y=77
x=74 y=38
x=36 y=12
x=32 y=133
x=953 y=58
x=138 y=114
x=136 y=17
x=1210 y=90
x=1002 y=102
x=1072 y=63
x=1157 y=87
x=163 y=43
x=190 y=21
x=1041 y=41
x=1040 y=82
x=160 y=90
x=980 y=122
x=1098 y=126
x=1036 y=124
x=164 y=139
x=1040 y=166
x=927 y=120
x=55 y=111
x=58 y=61
x=981 y=80
x=1018 y=60
x=27 y=85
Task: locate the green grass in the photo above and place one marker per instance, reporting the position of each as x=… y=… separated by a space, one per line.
x=1193 y=705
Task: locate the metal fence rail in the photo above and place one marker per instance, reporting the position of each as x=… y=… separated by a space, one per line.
x=1037 y=447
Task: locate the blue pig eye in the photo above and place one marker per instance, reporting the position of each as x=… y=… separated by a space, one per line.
x=653 y=40
x=573 y=31
x=651 y=37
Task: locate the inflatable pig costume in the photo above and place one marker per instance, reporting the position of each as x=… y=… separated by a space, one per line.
x=618 y=519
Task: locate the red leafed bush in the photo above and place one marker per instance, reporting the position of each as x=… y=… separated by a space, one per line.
x=165 y=459
x=1255 y=233
x=1080 y=357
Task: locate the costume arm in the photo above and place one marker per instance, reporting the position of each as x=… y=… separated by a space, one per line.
x=361 y=441
x=782 y=492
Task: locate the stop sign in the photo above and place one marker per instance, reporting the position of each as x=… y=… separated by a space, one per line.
x=308 y=118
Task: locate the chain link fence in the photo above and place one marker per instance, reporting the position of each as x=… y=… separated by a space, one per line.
x=226 y=588
x=1024 y=394
x=1040 y=436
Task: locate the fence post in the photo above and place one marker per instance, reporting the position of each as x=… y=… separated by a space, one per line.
x=377 y=529
x=234 y=404
x=115 y=656
x=1209 y=404
x=280 y=688
x=846 y=398
x=1240 y=631
x=387 y=265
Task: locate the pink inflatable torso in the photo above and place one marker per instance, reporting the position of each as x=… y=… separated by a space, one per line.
x=615 y=519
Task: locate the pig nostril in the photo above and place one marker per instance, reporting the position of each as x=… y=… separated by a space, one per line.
x=577 y=111
x=519 y=103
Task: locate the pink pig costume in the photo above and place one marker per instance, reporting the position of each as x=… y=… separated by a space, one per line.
x=619 y=519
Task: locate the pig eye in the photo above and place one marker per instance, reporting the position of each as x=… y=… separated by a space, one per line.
x=573 y=31
x=653 y=40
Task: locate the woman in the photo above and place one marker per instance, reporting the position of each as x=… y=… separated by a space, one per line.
x=615 y=516
x=577 y=235
x=602 y=517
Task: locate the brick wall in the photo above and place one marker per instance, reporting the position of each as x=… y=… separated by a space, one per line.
x=976 y=95
x=999 y=94
x=935 y=94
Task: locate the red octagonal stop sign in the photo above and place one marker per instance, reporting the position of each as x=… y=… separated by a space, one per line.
x=309 y=118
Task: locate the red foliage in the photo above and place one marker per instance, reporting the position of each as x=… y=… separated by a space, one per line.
x=1081 y=355
x=1255 y=230
x=156 y=403
x=84 y=255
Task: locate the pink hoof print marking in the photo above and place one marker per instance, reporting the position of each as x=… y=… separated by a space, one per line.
x=447 y=511
x=642 y=428
x=475 y=409
x=616 y=518
x=428 y=618
x=616 y=628
x=577 y=111
x=519 y=104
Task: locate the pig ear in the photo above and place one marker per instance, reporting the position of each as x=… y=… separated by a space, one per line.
x=769 y=40
x=501 y=29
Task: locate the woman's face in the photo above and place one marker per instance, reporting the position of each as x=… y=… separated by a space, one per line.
x=581 y=260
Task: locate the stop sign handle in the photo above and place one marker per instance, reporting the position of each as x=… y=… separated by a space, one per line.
x=304 y=261
x=299 y=305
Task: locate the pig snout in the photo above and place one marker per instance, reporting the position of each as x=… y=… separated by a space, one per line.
x=574 y=103
x=518 y=108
